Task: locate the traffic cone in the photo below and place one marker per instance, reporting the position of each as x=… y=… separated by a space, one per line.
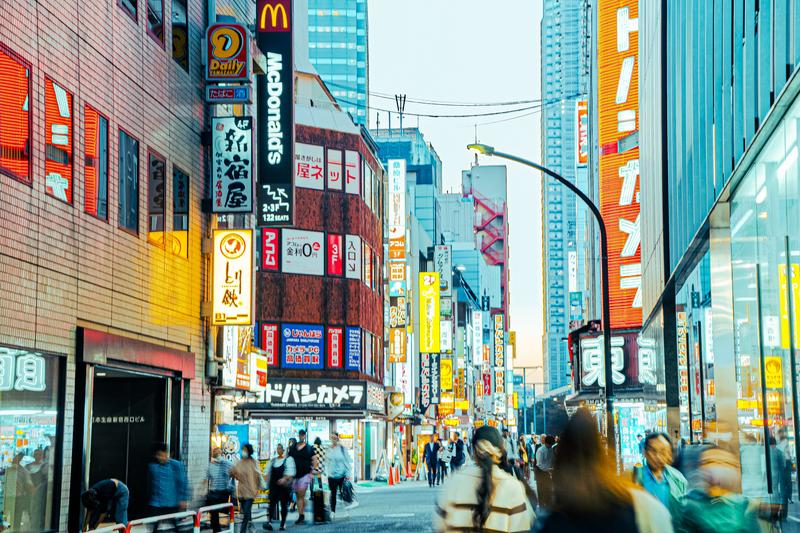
x=391 y=476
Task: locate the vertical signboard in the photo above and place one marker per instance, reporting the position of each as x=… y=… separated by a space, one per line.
x=352 y=172
x=436 y=388
x=352 y=256
x=270 y=343
x=228 y=53
x=477 y=336
x=309 y=166
x=397 y=345
x=618 y=105
x=58 y=161
x=335 y=255
x=499 y=353
x=429 y=340
x=335 y=347
x=443 y=261
x=582 y=133
x=445 y=336
x=446 y=374
x=424 y=381
x=270 y=249
x=233 y=277
x=397 y=209
x=275 y=93
x=353 y=360
x=335 y=170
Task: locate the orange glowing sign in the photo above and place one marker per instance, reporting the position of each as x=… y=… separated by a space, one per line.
x=15 y=125
x=58 y=141
x=618 y=121
x=582 y=133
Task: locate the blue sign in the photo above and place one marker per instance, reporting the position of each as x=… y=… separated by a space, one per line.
x=228 y=95
x=234 y=436
x=353 y=360
x=517 y=379
x=303 y=346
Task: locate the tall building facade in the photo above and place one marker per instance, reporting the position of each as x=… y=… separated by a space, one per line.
x=563 y=86
x=338 y=49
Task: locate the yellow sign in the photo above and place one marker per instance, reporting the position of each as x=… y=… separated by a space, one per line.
x=451 y=422
x=270 y=13
x=429 y=312
x=512 y=341
x=773 y=372
x=397 y=345
x=462 y=404
x=447 y=406
x=783 y=291
x=446 y=374
x=233 y=278
x=515 y=401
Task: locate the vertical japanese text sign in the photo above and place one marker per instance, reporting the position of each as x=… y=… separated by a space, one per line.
x=232 y=164
x=397 y=209
x=233 y=278
x=429 y=334
x=275 y=93
x=499 y=353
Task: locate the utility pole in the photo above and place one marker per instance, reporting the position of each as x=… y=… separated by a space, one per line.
x=400 y=101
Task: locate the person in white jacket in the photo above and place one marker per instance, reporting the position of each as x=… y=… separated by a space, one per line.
x=338 y=468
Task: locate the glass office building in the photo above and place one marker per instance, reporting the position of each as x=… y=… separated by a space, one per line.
x=337 y=47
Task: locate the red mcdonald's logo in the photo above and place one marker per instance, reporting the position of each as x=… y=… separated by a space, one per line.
x=274 y=15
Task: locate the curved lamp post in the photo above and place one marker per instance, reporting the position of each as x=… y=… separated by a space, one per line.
x=609 y=388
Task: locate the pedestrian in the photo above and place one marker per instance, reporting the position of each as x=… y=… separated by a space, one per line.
x=280 y=473
x=716 y=506
x=39 y=471
x=482 y=496
x=545 y=463
x=339 y=469
x=105 y=499
x=302 y=455
x=512 y=450
x=318 y=461
x=640 y=442
x=292 y=445
x=657 y=477
x=529 y=443
x=431 y=457
x=458 y=453
x=588 y=494
x=220 y=484
x=522 y=451
x=445 y=455
x=169 y=489
x=248 y=477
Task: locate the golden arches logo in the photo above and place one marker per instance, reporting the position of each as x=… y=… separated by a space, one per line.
x=274 y=10
x=226 y=42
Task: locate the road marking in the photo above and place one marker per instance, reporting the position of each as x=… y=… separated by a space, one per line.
x=399 y=515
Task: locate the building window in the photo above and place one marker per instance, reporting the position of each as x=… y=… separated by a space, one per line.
x=128 y=182
x=155 y=20
x=58 y=141
x=180 y=34
x=180 y=212
x=15 y=118
x=30 y=430
x=156 y=197
x=96 y=169
x=131 y=7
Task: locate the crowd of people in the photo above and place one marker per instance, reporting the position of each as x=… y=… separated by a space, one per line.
x=443 y=457
x=289 y=476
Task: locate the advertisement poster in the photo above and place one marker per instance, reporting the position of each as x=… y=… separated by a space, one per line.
x=429 y=312
x=232 y=438
x=353 y=257
x=232 y=164
x=303 y=346
x=397 y=209
x=302 y=252
x=269 y=343
x=309 y=166
x=335 y=255
x=233 y=277
x=353 y=361
x=270 y=249
x=352 y=172
x=443 y=260
x=335 y=347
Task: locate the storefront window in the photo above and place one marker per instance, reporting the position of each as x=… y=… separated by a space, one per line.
x=29 y=437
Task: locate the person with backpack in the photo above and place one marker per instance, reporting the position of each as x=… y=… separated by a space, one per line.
x=657 y=477
x=279 y=476
x=248 y=475
x=339 y=469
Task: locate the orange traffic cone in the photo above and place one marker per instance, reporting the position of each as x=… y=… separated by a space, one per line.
x=391 y=476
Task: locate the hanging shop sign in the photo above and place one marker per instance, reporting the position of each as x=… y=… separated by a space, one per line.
x=334 y=171
x=258 y=372
x=352 y=256
x=499 y=381
x=335 y=347
x=353 y=360
x=270 y=343
x=424 y=381
x=59 y=138
x=232 y=293
x=302 y=346
x=335 y=255
x=315 y=394
x=237 y=343
x=22 y=371
x=499 y=340
x=633 y=362
x=302 y=252
x=397 y=345
x=352 y=172
x=397 y=312
x=229 y=95
x=682 y=334
x=397 y=209
x=461 y=385
x=436 y=385
x=376 y=401
x=228 y=53
x=487 y=382
x=275 y=93
x=443 y=261
x=582 y=133
x=477 y=336
x=309 y=166
x=429 y=312
x=445 y=336
x=270 y=249
x=231 y=164
x=446 y=374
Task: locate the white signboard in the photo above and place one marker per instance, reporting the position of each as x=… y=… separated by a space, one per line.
x=335 y=176
x=572 y=270
x=443 y=258
x=352 y=172
x=302 y=252
x=232 y=164
x=352 y=257
x=446 y=336
x=477 y=336
x=309 y=166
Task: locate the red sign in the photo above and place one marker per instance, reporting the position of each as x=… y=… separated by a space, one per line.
x=270 y=249
x=228 y=57
x=15 y=125
x=269 y=343
x=487 y=383
x=274 y=16
x=334 y=347
x=58 y=141
x=582 y=133
x=335 y=265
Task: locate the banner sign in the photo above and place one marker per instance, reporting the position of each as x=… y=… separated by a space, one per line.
x=353 y=361
x=309 y=166
x=446 y=336
x=443 y=261
x=302 y=252
x=232 y=293
x=461 y=385
x=446 y=381
x=397 y=345
x=335 y=170
x=397 y=312
x=259 y=371
x=353 y=257
x=269 y=343
x=228 y=53
x=275 y=93
x=582 y=133
x=436 y=389
x=316 y=394
x=232 y=164
x=270 y=249
x=487 y=383
x=335 y=255
x=424 y=381
x=499 y=340
x=499 y=381
x=477 y=336
x=228 y=95
x=397 y=209
x=429 y=312
x=302 y=346
x=352 y=161
x=335 y=347
x=634 y=364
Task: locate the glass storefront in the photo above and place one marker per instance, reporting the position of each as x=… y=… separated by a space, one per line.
x=765 y=253
x=30 y=434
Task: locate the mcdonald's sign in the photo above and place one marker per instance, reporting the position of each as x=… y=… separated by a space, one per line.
x=274 y=16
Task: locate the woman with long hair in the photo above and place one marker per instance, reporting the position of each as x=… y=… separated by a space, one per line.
x=589 y=496
x=484 y=496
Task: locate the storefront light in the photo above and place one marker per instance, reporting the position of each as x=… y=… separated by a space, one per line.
x=26 y=412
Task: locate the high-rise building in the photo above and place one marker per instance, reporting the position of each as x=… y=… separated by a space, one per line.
x=563 y=82
x=337 y=47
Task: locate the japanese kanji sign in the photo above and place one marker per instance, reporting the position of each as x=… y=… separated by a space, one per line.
x=436 y=385
x=232 y=164
x=309 y=166
x=634 y=364
x=352 y=261
x=352 y=172
x=443 y=261
x=22 y=371
x=311 y=394
x=335 y=347
x=335 y=176
x=429 y=312
x=397 y=345
x=303 y=346
x=397 y=209
x=353 y=361
x=270 y=343
x=232 y=293
x=424 y=381
x=303 y=252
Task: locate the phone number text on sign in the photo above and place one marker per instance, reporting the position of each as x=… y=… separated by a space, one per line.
x=303 y=346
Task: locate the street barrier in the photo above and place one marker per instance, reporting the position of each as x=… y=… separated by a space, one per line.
x=158 y=518
x=219 y=506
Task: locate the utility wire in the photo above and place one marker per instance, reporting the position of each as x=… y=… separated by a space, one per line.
x=428 y=115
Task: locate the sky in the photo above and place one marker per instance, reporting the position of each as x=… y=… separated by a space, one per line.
x=473 y=51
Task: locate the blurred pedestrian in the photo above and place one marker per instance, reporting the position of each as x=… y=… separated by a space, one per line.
x=589 y=496
x=302 y=454
x=106 y=499
x=458 y=453
x=280 y=473
x=248 y=476
x=169 y=488
x=522 y=451
x=39 y=471
x=289 y=451
x=717 y=507
x=545 y=463
x=445 y=454
x=220 y=484
x=482 y=496
x=431 y=457
x=318 y=462
x=657 y=477
x=339 y=469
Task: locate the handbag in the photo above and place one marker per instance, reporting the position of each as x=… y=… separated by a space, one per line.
x=348 y=493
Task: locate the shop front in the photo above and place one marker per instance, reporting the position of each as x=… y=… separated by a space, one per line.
x=31 y=433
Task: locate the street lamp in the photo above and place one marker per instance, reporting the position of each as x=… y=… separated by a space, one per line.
x=609 y=388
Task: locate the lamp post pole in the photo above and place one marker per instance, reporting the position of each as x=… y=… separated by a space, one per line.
x=609 y=385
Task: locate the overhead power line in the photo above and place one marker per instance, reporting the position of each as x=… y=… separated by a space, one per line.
x=444 y=103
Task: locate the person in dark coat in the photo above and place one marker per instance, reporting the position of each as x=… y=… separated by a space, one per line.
x=432 y=459
x=106 y=500
x=458 y=455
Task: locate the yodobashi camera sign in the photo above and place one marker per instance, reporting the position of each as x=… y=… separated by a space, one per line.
x=275 y=92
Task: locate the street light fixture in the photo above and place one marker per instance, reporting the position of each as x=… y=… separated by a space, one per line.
x=485 y=149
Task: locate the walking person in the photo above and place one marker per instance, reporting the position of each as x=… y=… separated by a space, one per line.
x=318 y=462
x=458 y=453
x=339 y=469
x=169 y=488
x=522 y=451
x=431 y=459
x=445 y=454
x=483 y=496
x=280 y=473
x=220 y=484
x=302 y=454
x=106 y=499
x=545 y=463
x=589 y=496
x=512 y=452
x=249 y=478
x=293 y=500
x=657 y=477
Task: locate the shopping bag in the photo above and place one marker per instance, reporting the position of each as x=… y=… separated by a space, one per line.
x=348 y=493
